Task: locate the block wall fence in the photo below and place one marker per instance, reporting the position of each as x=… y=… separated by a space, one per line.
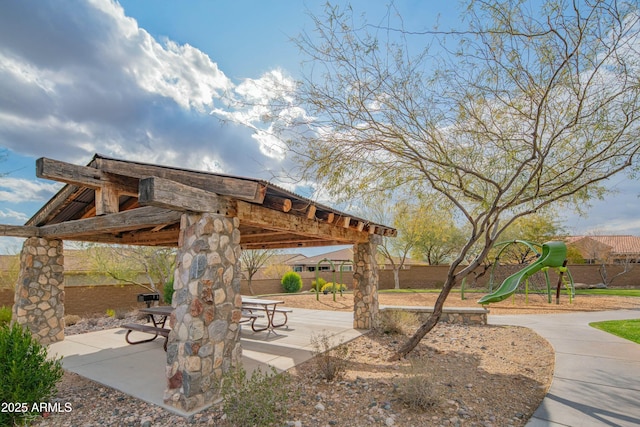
x=85 y=300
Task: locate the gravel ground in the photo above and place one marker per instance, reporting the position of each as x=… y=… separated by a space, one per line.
x=470 y=376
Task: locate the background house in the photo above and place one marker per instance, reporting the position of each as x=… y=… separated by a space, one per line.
x=607 y=249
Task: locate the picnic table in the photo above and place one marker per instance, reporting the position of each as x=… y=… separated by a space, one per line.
x=158 y=317
x=252 y=309
x=253 y=306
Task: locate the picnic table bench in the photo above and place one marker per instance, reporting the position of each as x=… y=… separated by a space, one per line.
x=158 y=317
x=270 y=308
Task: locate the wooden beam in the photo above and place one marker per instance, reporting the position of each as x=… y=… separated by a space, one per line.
x=240 y=188
x=134 y=219
x=346 y=221
x=85 y=176
x=360 y=225
x=167 y=194
x=19 y=231
x=258 y=216
x=275 y=202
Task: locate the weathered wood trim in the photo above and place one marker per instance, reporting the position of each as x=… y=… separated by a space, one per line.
x=259 y=216
x=60 y=200
x=167 y=194
x=19 y=231
x=243 y=189
x=291 y=244
x=134 y=219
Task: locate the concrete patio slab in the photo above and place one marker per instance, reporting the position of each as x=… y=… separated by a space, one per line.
x=139 y=370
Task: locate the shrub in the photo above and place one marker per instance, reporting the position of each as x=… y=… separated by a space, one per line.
x=395 y=322
x=291 y=282
x=27 y=375
x=5 y=315
x=111 y=312
x=71 y=319
x=317 y=285
x=418 y=389
x=259 y=400
x=333 y=287
x=167 y=292
x=330 y=360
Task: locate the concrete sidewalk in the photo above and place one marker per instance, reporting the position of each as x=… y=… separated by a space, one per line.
x=139 y=370
x=596 y=381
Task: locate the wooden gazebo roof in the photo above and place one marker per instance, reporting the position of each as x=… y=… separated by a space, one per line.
x=125 y=202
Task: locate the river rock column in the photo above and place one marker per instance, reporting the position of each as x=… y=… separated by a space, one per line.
x=39 y=294
x=365 y=284
x=205 y=339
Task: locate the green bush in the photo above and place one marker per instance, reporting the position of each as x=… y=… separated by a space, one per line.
x=316 y=285
x=28 y=376
x=5 y=315
x=291 y=282
x=167 y=292
x=260 y=400
x=331 y=287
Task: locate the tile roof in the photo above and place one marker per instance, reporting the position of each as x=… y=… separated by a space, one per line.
x=620 y=245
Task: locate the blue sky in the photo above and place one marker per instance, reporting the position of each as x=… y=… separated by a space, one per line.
x=138 y=80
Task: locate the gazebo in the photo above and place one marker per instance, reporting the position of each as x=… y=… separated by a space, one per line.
x=211 y=218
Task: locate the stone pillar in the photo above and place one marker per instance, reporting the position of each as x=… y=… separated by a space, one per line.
x=365 y=284
x=39 y=298
x=205 y=339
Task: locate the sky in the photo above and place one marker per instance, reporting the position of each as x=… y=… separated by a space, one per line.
x=139 y=80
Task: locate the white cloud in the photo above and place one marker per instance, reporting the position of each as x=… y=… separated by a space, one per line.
x=83 y=78
x=17 y=190
x=12 y=215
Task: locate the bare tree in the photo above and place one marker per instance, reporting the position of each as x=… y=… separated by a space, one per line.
x=627 y=265
x=523 y=109
x=396 y=250
x=127 y=263
x=253 y=260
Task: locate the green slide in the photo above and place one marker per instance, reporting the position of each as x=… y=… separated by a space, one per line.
x=553 y=255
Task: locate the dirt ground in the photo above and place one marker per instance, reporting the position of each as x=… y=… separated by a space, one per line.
x=537 y=304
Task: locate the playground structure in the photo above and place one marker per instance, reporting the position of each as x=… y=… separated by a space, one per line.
x=333 y=270
x=549 y=255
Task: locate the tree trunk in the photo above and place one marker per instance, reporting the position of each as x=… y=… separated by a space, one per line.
x=249 y=286
x=430 y=323
x=396 y=278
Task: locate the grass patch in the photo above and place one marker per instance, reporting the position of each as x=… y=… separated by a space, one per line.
x=611 y=292
x=627 y=329
x=410 y=291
